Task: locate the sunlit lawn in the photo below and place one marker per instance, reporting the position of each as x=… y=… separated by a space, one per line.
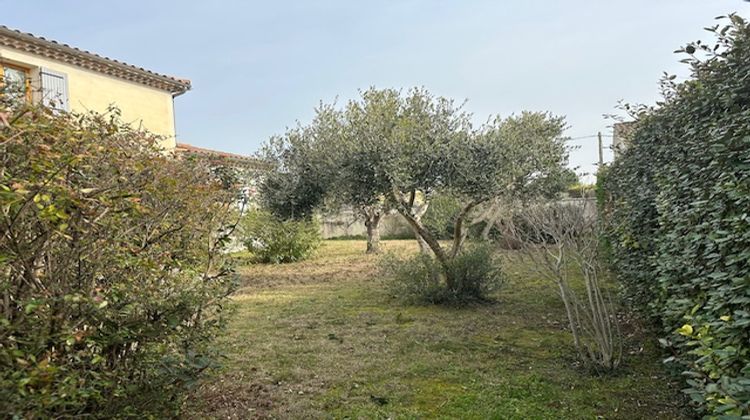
x=321 y=339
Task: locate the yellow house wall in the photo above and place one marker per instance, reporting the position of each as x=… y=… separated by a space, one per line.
x=141 y=106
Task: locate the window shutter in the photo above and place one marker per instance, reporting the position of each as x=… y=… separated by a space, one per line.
x=55 y=89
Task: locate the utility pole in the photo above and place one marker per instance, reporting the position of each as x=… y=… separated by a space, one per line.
x=601 y=151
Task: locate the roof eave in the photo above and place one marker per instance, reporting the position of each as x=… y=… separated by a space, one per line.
x=62 y=52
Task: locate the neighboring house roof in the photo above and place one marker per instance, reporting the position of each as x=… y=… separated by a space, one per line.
x=71 y=55
x=218 y=157
x=621 y=133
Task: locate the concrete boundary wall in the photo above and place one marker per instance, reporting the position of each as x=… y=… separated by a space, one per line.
x=345 y=223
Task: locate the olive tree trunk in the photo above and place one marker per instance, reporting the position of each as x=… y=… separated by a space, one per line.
x=429 y=243
x=372 y=222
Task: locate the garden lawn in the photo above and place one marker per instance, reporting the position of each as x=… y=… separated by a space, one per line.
x=322 y=339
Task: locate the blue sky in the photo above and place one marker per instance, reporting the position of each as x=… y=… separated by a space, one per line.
x=257 y=67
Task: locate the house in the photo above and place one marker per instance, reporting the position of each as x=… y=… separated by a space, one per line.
x=67 y=78
x=218 y=158
x=246 y=171
x=621 y=133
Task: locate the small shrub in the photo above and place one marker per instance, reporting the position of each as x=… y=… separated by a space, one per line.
x=476 y=273
x=412 y=280
x=276 y=241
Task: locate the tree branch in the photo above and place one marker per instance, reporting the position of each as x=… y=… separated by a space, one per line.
x=458 y=232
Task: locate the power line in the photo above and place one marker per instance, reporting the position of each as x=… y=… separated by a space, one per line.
x=593 y=136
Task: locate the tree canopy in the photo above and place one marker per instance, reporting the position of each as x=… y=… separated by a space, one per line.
x=392 y=149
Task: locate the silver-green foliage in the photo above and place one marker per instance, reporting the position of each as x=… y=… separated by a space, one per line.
x=416 y=145
x=418 y=280
x=392 y=149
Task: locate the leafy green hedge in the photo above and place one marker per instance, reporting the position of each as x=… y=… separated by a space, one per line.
x=678 y=203
x=112 y=283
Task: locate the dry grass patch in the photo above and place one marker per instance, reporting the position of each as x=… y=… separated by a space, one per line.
x=320 y=339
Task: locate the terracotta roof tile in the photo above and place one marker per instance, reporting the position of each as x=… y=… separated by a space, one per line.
x=216 y=155
x=63 y=52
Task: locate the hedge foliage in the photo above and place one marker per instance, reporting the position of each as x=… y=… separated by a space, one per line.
x=111 y=279
x=678 y=199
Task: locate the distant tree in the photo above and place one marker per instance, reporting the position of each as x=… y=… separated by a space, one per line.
x=322 y=166
x=569 y=178
x=357 y=182
x=300 y=177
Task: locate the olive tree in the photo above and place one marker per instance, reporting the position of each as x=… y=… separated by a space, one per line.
x=535 y=168
x=298 y=181
x=355 y=146
x=395 y=150
x=430 y=147
x=401 y=147
x=322 y=166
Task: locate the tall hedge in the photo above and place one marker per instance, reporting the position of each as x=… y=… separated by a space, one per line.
x=678 y=202
x=111 y=278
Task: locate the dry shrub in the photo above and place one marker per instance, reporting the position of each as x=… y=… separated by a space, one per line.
x=562 y=243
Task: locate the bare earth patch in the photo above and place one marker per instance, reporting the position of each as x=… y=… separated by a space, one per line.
x=321 y=339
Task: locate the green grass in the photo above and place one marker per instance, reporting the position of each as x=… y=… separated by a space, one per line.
x=321 y=339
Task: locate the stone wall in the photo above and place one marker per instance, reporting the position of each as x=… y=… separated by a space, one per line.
x=345 y=224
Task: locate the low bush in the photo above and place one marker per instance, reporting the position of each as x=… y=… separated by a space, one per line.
x=477 y=273
x=414 y=280
x=421 y=280
x=275 y=241
x=112 y=282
